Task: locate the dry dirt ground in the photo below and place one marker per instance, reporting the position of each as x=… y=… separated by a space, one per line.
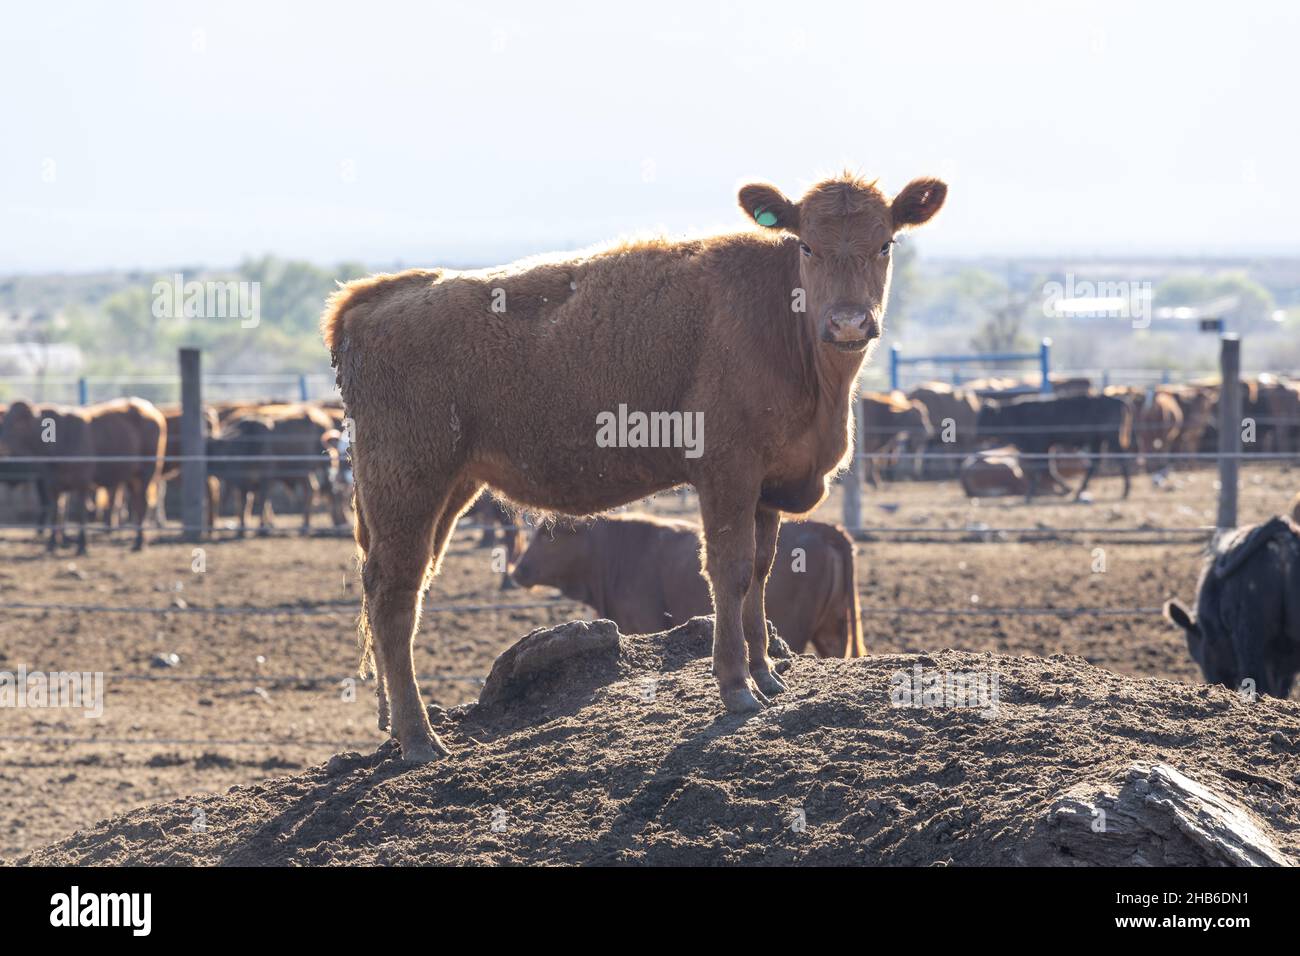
x=256 y=699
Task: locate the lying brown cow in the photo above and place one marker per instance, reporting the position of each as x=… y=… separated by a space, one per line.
x=643 y=573
x=998 y=472
x=758 y=336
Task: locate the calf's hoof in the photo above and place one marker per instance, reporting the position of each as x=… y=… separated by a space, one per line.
x=744 y=699
x=768 y=683
x=424 y=749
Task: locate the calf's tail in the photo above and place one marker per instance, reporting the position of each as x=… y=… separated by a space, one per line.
x=365 y=638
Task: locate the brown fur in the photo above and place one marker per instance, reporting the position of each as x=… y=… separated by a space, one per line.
x=211 y=425
x=1196 y=404
x=279 y=433
x=1295 y=508
x=25 y=426
x=449 y=395
x=129 y=428
x=889 y=419
x=1157 y=425
x=944 y=404
x=643 y=573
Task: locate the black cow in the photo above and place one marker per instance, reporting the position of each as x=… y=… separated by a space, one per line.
x=1092 y=423
x=1247 y=623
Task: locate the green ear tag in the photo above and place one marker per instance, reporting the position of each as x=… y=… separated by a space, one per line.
x=763 y=217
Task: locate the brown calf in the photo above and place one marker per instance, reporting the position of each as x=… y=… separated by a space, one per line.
x=512 y=378
x=643 y=573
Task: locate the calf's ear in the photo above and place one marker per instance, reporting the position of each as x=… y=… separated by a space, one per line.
x=918 y=202
x=1176 y=613
x=767 y=206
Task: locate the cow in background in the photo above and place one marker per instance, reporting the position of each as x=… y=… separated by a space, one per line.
x=1092 y=423
x=643 y=573
x=210 y=426
x=890 y=420
x=66 y=486
x=499 y=524
x=129 y=437
x=1158 y=423
x=953 y=413
x=1247 y=620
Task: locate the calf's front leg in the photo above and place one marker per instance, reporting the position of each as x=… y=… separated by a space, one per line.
x=767 y=524
x=728 y=518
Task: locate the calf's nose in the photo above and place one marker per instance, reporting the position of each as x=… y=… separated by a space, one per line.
x=849 y=325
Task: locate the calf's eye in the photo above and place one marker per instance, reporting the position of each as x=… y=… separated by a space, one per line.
x=805 y=249
x=884 y=250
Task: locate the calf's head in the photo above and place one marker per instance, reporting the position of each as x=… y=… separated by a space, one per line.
x=846 y=228
x=555 y=557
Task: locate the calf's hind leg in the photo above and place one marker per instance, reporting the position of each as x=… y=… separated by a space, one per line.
x=406 y=540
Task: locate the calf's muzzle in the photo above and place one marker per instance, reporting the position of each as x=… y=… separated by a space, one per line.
x=850 y=329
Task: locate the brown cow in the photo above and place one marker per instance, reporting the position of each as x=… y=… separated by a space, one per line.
x=55 y=432
x=998 y=472
x=1278 y=410
x=1196 y=403
x=210 y=425
x=289 y=437
x=561 y=383
x=134 y=431
x=643 y=573
x=493 y=515
x=889 y=419
x=1157 y=425
x=1295 y=508
x=953 y=413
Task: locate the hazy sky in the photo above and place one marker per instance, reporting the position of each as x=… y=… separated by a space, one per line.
x=149 y=135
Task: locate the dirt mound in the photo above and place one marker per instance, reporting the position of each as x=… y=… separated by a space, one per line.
x=594 y=747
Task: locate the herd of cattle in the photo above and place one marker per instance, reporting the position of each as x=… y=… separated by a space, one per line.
x=644 y=572
x=998 y=440
x=993 y=436
x=82 y=462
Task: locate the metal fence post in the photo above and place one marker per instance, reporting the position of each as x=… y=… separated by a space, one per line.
x=1229 y=429
x=893 y=367
x=851 y=483
x=302 y=388
x=1045 y=366
x=194 y=470
x=83 y=392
